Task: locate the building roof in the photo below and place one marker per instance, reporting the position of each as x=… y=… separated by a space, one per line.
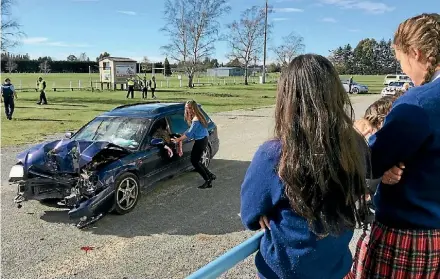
x=119 y=59
x=225 y=68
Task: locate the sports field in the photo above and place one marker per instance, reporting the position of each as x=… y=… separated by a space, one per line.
x=69 y=110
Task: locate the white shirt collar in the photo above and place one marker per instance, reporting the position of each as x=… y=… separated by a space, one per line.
x=436 y=75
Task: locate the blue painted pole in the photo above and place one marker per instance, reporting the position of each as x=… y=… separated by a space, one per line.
x=228 y=260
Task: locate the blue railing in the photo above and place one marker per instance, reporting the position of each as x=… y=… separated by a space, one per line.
x=228 y=260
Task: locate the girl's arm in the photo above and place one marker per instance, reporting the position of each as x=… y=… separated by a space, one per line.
x=405 y=130
x=188 y=134
x=261 y=189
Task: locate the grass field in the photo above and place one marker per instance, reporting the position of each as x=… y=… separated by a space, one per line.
x=69 y=110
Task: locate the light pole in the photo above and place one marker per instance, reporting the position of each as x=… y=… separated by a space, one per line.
x=264 y=52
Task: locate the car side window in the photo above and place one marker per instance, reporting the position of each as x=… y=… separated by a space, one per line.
x=177 y=122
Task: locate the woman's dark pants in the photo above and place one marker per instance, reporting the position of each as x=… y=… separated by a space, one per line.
x=196 y=156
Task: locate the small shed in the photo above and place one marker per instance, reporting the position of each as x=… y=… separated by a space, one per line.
x=116 y=70
x=225 y=72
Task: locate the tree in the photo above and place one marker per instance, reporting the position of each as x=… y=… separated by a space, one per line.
x=102 y=56
x=72 y=58
x=274 y=68
x=145 y=64
x=234 y=63
x=192 y=27
x=167 y=67
x=10 y=64
x=83 y=57
x=44 y=66
x=246 y=37
x=10 y=29
x=292 y=46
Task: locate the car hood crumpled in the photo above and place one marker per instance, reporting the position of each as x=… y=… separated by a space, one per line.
x=65 y=156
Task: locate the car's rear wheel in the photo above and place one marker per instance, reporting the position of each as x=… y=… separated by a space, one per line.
x=127 y=193
x=206 y=156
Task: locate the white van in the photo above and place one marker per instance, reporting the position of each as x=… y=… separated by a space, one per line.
x=396 y=78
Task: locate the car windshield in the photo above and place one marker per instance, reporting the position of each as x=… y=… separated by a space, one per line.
x=397 y=84
x=122 y=131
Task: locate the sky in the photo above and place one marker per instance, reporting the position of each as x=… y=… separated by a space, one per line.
x=131 y=28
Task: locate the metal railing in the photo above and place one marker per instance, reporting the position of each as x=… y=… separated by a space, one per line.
x=228 y=260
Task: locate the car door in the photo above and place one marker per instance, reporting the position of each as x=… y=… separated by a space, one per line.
x=178 y=125
x=155 y=163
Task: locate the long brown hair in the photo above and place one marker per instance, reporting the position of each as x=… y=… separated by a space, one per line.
x=421 y=32
x=321 y=162
x=191 y=110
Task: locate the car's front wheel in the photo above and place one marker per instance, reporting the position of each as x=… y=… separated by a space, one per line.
x=355 y=90
x=206 y=156
x=127 y=193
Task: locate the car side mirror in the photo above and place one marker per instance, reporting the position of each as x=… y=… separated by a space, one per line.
x=157 y=142
x=68 y=135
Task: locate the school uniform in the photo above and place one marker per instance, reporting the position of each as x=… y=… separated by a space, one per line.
x=289 y=250
x=405 y=236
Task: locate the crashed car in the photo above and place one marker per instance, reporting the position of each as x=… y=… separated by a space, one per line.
x=102 y=167
x=393 y=87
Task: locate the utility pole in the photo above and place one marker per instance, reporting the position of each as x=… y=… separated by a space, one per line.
x=265 y=39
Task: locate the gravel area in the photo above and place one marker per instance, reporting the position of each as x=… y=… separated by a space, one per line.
x=174 y=230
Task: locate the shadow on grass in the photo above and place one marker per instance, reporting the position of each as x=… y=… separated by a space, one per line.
x=45 y=119
x=176 y=207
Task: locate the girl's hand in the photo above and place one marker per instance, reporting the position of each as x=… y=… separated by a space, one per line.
x=264 y=223
x=175 y=140
x=170 y=152
x=393 y=175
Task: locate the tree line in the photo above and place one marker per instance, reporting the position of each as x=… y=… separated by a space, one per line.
x=369 y=57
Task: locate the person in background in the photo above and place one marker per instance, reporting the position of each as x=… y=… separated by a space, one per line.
x=405 y=237
x=144 y=88
x=199 y=132
x=130 y=85
x=41 y=85
x=350 y=84
x=406 y=86
x=8 y=94
x=307 y=186
x=152 y=85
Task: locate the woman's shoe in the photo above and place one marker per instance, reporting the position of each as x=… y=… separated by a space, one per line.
x=212 y=176
x=207 y=184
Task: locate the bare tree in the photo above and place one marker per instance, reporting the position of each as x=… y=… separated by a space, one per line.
x=44 y=67
x=145 y=64
x=83 y=57
x=246 y=37
x=193 y=27
x=292 y=46
x=10 y=28
x=10 y=65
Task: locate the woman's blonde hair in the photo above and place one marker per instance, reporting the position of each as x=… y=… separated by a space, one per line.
x=196 y=111
x=421 y=32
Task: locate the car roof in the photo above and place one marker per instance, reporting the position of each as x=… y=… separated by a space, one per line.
x=144 y=110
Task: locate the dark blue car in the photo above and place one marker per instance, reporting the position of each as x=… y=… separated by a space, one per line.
x=102 y=167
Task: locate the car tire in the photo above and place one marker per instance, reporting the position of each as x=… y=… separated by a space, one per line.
x=127 y=193
x=206 y=156
x=355 y=90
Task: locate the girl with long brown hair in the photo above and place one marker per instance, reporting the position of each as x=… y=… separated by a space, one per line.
x=405 y=237
x=304 y=184
x=199 y=132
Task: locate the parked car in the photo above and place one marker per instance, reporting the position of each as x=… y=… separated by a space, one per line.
x=392 y=88
x=102 y=167
x=396 y=78
x=355 y=87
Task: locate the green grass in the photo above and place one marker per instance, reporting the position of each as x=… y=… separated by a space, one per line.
x=69 y=110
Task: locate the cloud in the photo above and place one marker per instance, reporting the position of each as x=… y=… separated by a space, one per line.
x=127 y=13
x=329 y=19
x=367 y=6
x=280 y=19
x=288 y=10
x=46 y=42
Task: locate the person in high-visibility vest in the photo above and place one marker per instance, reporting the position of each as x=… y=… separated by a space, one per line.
x=130 y=84
x=8 y=94
x=153 y=87
x=41 y=85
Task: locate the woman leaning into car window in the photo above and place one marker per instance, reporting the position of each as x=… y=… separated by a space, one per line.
x=199 y=132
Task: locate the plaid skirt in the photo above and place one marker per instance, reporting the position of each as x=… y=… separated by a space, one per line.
x=388 y=253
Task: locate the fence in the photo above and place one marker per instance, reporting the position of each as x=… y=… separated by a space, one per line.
x=228 y=260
